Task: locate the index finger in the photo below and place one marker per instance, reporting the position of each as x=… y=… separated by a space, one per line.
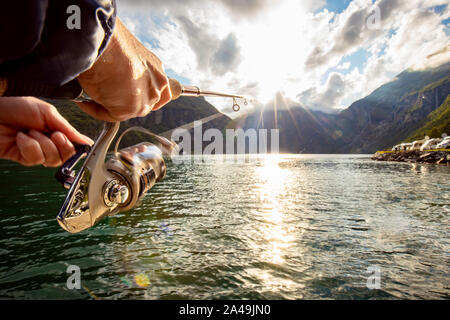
x=56 y=122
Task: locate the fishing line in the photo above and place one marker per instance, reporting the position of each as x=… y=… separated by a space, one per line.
x=193 y=124
x=167 y=147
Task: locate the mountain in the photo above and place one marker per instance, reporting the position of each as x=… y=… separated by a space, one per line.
x=387 y=116
x=394 y=111
x=300 y=130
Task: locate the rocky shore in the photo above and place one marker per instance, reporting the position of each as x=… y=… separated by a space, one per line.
x=434 y=157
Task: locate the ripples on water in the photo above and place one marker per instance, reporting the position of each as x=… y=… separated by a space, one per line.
x=288 y=227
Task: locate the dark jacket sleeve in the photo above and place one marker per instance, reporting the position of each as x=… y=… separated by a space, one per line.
x=39 y=52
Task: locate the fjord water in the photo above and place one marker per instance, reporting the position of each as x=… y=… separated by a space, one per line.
x=274 y=227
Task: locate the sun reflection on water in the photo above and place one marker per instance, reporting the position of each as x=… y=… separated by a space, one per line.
x=272 y=186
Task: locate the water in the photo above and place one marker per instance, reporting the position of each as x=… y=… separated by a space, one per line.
x=288 y=227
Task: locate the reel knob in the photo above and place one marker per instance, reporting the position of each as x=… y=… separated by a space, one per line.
x=119 y=194
x=116 y=193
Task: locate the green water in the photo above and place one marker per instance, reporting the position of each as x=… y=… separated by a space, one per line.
x=293 y=227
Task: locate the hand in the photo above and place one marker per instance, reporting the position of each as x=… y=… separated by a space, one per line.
x=127 y=80
x=32 y=132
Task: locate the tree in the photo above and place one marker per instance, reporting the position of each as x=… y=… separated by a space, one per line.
x=434 y=133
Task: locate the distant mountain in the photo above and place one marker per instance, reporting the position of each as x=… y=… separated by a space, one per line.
x=301 y=131
x=389 y=115
x=394 y=111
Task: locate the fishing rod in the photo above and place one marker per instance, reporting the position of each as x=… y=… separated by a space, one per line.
x=100 y=188
x=177 y=89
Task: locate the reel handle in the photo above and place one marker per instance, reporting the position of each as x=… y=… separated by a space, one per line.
x=65 y=174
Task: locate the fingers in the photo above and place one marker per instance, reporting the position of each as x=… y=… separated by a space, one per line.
x=156 y=100
x=33 y=113
x=50 y=151
x=65 y=147
x=159 y=95
x=160 y=84
x=38 y=149
x=56 y=149
x=166 y=97
x=98 y=112
x=56 y=122
x=30 y=150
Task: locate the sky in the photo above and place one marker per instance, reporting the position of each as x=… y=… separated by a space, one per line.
x=318 y=54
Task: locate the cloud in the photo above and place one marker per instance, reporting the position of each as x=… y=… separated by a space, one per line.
x=408 y=34
x=361 y=23
x=329 y=97
x=435 y=59
x=260 y=47
x=354 y=29
x=227 y=57
x=215 y=55
x=245 y=8
x=202 y=43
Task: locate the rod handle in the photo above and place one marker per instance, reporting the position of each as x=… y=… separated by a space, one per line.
x=176 y=88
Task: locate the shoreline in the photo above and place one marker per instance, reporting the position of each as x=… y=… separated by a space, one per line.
x=415 y=156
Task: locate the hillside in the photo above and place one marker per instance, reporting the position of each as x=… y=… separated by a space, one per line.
x=435 y=124
x=394 y=111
